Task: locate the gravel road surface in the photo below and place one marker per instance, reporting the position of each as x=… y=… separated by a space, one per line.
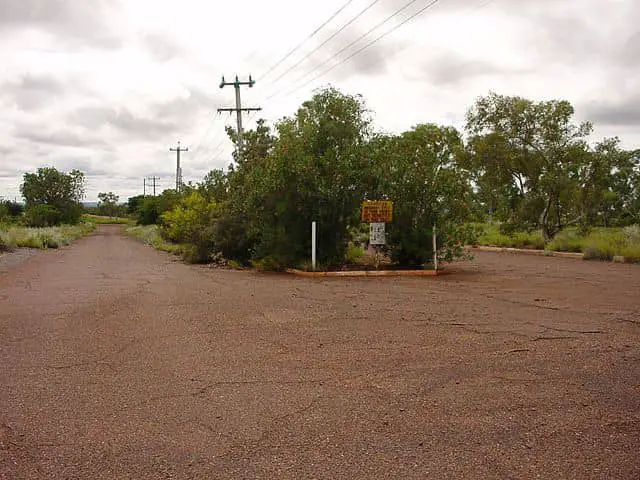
x=120 y=362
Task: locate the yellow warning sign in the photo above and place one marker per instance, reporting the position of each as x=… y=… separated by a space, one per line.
x=377 y=211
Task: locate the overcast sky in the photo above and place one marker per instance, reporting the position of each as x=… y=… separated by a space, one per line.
x=108 y=86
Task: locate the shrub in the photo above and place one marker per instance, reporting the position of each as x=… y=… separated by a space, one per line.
x=268 y=264
x=49 y=237
x=4 y=214
x=42 y=215
x=149 y=211
x=4 y=247
x=498 y=236
x=14 y=209
x=567 y=241
x=192 y=223
x=354 y=253
x=232 y=237
x=632 y=233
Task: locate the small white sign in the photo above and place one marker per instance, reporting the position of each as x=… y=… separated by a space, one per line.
x=376 y=234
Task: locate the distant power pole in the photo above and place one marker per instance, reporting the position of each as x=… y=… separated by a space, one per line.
x=239 y=108
x=178 y=149
x=153 y=179
x=144 y=187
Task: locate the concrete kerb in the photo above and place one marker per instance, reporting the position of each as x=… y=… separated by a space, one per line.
x=525 y=251
x=545 y=253
x=367 y=273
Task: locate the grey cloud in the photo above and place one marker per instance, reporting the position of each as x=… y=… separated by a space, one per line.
x=451 y=69
x=32 y=92
x=621 y=113
x=577 y=31
x=140 y=126
x=183 y=109
x=59 y=138
x=630 y=54
x=122 y=120
x=161 y=47
x=75 y=20
x=85 y=165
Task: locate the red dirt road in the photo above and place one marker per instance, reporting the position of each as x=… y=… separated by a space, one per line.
x=119 y=362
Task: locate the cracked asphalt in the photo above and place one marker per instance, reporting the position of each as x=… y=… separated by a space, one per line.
x=119 y=362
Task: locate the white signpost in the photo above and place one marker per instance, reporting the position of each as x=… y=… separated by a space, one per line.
x=377 y=234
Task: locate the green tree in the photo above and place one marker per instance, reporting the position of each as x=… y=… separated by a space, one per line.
x=313 y=173
x=10 y=211
x=215 y=186
x=134 y=203
x=418 y=171
x=108 y=203
x=152 y=208
x=59 y=190
x=534 y=147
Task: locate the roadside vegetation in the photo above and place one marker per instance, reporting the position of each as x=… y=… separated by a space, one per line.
x=598 y=243
x=52 y=213
x=103 y=220
x=523 y=174
x=13 y=236
x=150 y=235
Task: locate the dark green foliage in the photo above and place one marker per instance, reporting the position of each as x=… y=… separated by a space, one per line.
x=312 y=174
x=11 y=209
x=59 y=190
x=152 y=208
x=418 y=171
x=232 y=239
x=108 y=204
x=525 y=164
x=148 y=211
x=134 y=203
x=41 y=215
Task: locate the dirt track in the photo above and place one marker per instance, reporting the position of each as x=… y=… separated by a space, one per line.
x=119 y=362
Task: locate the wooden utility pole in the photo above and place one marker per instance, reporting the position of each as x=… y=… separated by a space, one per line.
x=236 y=84
x=178 y=149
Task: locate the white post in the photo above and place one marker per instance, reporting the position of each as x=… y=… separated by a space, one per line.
x=313 y=245
x=435 y=249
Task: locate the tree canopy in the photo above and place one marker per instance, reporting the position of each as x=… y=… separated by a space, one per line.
x=60 y=191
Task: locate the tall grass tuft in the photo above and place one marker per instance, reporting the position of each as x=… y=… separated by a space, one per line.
x=46 y=237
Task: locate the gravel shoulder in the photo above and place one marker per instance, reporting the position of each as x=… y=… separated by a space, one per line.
x=119 y=361
x=9 y=260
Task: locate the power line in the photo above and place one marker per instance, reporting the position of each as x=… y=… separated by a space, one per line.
x=358 y=15
x=294 y=49
x=378 y=38
x=220 y=145
x=199 y=145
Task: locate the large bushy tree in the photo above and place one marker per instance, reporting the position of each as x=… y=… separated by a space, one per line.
x=312 y=173
x=60 y=191
x=108 y=203
x=418 y=170
x=532 y=153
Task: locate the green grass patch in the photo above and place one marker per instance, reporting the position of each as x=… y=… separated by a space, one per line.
x=604 y=244
x=48 y=237
x=150 y=235
x=101 y=220
x=491 y=236
x=599 y=243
